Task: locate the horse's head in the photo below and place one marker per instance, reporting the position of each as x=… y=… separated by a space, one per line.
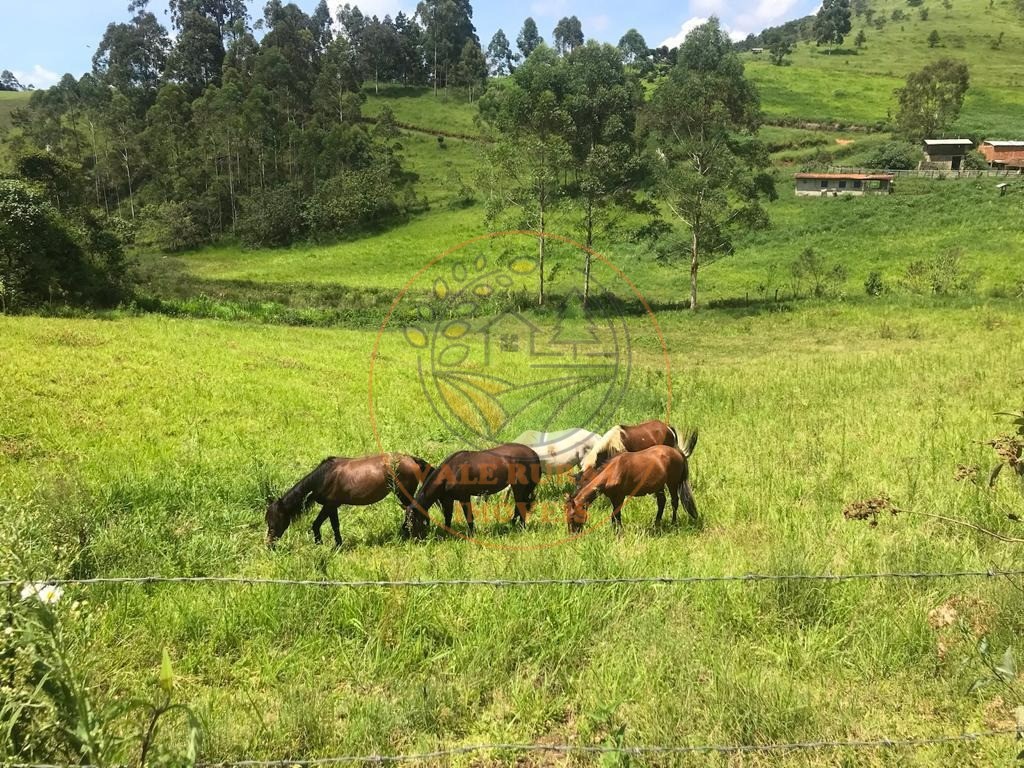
x=576 y=514
x=277 y=520
x=416 y=523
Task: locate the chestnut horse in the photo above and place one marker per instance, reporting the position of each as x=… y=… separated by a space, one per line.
x=621 y=439
x=642 y=473
x=338 y=481
x=476 y=473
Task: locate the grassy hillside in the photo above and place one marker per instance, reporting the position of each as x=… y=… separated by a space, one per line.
x=852 y=86
x=10 y=101
x=156 y=440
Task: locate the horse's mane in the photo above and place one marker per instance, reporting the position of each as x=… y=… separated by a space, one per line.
x=609 y=445
x=295 y=500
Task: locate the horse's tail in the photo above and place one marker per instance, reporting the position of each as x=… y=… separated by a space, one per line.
x=674 y=436
x=685 y=491
x=610 y=444
x=691 y=443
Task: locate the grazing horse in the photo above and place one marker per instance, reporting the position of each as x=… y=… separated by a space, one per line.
x=560 y=451
x=338 y=481
x=622 y=439
x=476 y=473
x=642 y=473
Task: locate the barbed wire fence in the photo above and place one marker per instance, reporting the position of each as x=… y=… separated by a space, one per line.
x=513 y=583
x=561 y=749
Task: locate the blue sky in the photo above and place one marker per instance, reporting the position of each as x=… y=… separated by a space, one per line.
x=42 y=39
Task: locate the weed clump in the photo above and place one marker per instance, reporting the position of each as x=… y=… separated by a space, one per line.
x=870 y=509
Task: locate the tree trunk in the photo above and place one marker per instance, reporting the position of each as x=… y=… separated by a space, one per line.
x=540 y=245
x=693 y=270
x=586 y=264
x=131 y=192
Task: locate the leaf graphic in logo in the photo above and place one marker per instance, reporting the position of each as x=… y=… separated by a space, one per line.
x=523 y=266
x=453 y=356
x=441 y=289
x=416 y=337
x=456 y=330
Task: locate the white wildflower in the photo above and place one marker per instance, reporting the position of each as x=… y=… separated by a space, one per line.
x=48 y=594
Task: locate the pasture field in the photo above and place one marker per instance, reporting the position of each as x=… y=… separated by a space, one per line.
x=145 y=445
x=924 y=220
x=857 y=88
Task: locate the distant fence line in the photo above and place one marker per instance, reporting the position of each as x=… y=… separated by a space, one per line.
x=747 y=578
x=585 y=749
x=929 y=173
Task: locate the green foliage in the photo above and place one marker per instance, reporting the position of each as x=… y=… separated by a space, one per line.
x=529 y=38
x=823 y=279
x=169 y=227
x=710 y=170
x=975 y=161
x=351 y=202
x=932 y=98
x=271 y=218
x=568 y=35
x=933 y=39
x=50 y=712
x=45 y=257
x=500 y=58
x=634 y=49
x=832 y=23
x=894 y=155
x=944 y=275
x=874 y=285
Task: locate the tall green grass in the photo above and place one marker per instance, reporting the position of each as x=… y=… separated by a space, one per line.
x=139 y=446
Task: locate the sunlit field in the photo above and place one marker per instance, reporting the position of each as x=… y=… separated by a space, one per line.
x=140 y=446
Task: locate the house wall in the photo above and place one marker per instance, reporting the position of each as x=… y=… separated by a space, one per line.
x=809 y=187
x=996 y=154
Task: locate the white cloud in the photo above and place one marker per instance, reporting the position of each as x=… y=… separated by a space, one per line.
x=706 y=7
x=378 y=8
x=691 y=24
x=40 y=77
x=549 y=9
x=766 y=13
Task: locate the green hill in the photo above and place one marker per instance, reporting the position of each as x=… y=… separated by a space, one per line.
x=854 y=86
x=10 y=101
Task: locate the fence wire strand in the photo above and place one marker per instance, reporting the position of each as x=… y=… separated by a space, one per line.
x=584 y=749
x=502 y=583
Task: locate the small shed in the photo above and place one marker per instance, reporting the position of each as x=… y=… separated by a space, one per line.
x=1003 y=154
x=945 y=154
x=757 y=51
x=835 y=184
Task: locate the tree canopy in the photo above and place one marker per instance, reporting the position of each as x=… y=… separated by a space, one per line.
x=932 y=98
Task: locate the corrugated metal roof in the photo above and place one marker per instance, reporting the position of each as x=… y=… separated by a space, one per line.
x=847 y=176
x=1007 y=144
x=948 y=142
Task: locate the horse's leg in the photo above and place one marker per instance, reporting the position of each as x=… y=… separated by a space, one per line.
x=336 y=527
x=660 y=496
x=617 y=504
x=318 y=523
x=448 y=509
x=467 y=512
x=675 y=503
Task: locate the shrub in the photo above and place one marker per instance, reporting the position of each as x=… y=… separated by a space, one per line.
x=942 y=276
x=894 y=155
x=350 y=202
x=45 y=257
x=975 y=161
x=169 y=227
x=270 y=218
x=824 y=279
x=874 y=286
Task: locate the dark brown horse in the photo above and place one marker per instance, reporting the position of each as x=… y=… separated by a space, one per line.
x=476 y=473
x=624 y=438
x=338 y=481
x=642 y=473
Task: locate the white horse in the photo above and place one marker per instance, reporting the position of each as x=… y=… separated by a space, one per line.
x=609 y=444
x=560 y=451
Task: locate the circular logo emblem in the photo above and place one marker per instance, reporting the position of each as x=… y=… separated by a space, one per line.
x=492 y=366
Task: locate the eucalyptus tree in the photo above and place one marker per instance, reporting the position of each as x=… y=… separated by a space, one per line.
x=712 y=170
